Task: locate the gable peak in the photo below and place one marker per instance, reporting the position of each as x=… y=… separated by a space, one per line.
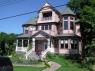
x=46 y=4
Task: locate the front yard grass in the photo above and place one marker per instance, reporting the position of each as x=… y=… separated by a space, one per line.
x=66 y=65
x=28 y=68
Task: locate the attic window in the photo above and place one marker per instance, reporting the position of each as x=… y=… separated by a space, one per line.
x=47 y=16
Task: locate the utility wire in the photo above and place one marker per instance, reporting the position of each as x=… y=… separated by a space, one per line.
x=28 y=13
x=10 y=2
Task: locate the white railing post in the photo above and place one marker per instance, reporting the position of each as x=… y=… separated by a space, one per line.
x=16 y=44
x=22 y=43
x=33 y=43
x=48 y=43
x=28 y=42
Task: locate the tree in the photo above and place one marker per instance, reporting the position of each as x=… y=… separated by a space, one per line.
x=7 y=43
x=85 y=11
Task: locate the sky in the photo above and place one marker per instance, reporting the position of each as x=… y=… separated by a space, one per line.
x=15 y=7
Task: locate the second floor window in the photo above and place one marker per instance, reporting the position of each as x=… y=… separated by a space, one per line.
x=46 y=27
x=65 y=25
x=72 y=25
x=26 y=31
x=47 y=16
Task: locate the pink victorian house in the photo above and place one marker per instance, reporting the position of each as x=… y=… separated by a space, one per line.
x=54 y=31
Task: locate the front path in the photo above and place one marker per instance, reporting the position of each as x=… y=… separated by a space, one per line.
x=54 y=66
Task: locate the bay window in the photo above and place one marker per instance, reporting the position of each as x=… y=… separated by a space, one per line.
x=74 y=44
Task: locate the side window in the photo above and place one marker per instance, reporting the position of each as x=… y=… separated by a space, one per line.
x=65 y=25
x=71 y=25
x=74 y=44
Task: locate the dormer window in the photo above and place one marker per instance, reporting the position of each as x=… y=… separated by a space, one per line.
x=47 y=16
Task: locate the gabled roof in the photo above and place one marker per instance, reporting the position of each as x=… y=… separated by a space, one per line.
x=32 y=21
x=68 y=35
x=64 y=10
x=50 y=6
x=42 y=33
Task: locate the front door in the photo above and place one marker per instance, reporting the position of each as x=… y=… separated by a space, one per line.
x=41 y=45
x=45 y=45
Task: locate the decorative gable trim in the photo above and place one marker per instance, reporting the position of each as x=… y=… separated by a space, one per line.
x=44 y=34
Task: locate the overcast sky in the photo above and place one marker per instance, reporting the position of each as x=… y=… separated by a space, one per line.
x=14 y=7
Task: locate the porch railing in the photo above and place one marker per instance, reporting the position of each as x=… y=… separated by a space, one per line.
x=29 y=52
x=44 y=53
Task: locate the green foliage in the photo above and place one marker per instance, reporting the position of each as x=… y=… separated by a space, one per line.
x=20 y=59
x=46 y=64
x=66 y=64
x=29 y=47
x=28 y=68
x=8 y=41
x=85 y=11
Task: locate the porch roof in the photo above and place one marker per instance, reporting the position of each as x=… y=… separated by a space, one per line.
x=68 y=35
x=24 y=36
x=42 y=33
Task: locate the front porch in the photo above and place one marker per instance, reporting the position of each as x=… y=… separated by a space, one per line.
x=38 y=45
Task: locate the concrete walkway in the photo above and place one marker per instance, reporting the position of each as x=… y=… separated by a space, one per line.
x=54 y=66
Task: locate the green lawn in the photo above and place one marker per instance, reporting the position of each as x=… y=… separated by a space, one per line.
x=66 y=65
x=27 y=68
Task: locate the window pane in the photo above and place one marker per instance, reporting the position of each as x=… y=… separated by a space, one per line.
x=36 y=27
x=72 y=25
x=50 y=26
x=25 y=43
x=26 y=31
x=66 y=46
x=47 y=16
x=62 y=46
x=65 y=17
x=42 y=27
x=72 y=46
x=65 y=25
x=46 y=27
x=19 y=43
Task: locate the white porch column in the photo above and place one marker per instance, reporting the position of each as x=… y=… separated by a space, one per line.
x=48 y=43
x=59 y=46
x=22 y=43
x=80 y=47
x=28 y=42
x=69 y=44
x=33 y=43
x=16 y=44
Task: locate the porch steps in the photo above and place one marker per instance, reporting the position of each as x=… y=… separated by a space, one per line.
x=33 y=56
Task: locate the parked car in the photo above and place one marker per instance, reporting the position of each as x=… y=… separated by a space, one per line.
x=5 y=64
